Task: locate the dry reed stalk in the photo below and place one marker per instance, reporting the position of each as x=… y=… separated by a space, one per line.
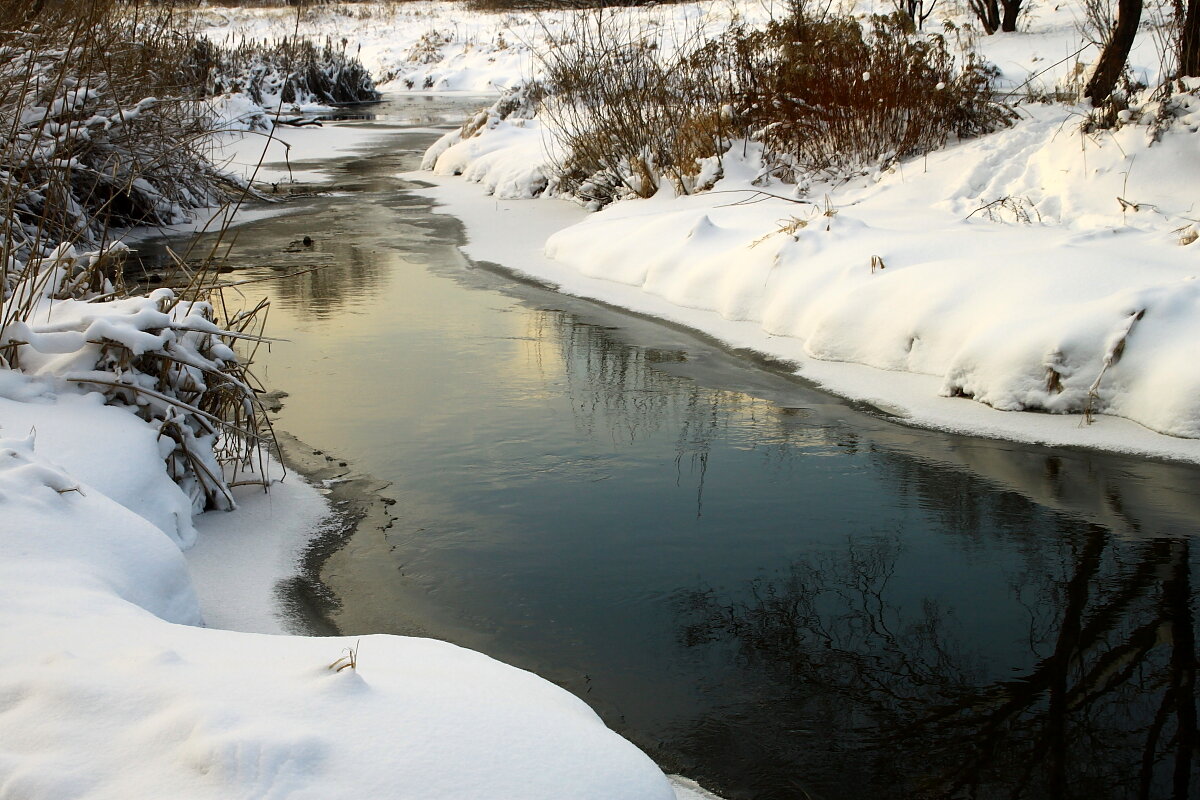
x=100 y=129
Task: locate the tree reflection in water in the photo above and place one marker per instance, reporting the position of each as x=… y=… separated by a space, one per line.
x=848 y=683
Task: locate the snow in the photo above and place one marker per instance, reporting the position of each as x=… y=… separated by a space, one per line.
x=240 y=558
x=286 y=154
x=447 y=47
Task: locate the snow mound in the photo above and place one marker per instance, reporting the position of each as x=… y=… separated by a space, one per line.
x=1035 y=268
x=510 y=161
x=109 y=689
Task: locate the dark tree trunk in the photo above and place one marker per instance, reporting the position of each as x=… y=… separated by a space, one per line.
x=1011 y=9
x=1116 y=52
x=988 y=14
x=1189 y=47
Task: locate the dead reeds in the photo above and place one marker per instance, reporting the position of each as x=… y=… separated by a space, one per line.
x=101 y=129
x=826 y=96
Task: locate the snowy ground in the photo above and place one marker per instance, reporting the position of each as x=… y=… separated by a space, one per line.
x=112 y=687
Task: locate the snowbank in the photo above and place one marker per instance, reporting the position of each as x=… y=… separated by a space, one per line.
x=1033 y=269
x=111 y=689
x=440 y=46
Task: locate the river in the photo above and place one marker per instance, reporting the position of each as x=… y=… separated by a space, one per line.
x=768 y=589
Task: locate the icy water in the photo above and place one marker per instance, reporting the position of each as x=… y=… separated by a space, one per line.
x=769 y=590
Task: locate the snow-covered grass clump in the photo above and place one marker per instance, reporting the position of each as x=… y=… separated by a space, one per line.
x=289 y=75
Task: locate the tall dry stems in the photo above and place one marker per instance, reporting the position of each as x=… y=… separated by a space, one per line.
x=101 y=129
x=825 y=97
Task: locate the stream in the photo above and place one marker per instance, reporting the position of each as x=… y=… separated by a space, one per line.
x=770 y=590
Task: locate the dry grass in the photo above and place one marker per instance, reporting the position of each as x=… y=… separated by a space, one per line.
x=824 y=96
x=100 y=129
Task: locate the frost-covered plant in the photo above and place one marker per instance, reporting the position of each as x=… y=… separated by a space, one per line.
x=100 y=129
x=163 y=355
x=294 y=72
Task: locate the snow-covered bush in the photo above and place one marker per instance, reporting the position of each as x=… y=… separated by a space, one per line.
x=629 y=109
x=98 y=132
x=102 y=128
x=162 y=355
x=293 y=72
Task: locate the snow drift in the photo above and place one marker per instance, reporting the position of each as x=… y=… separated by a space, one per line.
x=1036 y=268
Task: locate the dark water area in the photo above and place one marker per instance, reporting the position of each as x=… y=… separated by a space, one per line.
x=770 y=590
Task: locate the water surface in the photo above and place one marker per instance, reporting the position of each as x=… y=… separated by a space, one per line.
x=768 y=589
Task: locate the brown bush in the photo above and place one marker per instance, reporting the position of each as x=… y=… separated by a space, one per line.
x=822 y=95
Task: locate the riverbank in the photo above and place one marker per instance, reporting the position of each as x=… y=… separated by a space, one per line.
x=565 y=471
x=1038 y=269
x=998 y=275
x=911 y=398
x=202 y=701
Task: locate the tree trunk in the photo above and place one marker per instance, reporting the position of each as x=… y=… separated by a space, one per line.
x=1011 y=9
x=1116 y=52
x=988 y=14
x=1189 y=46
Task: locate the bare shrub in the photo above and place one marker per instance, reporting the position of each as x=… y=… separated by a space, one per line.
x=559 y=5
x=629 y=111
x=823 y=97
x=100 y=129
x=826 y=97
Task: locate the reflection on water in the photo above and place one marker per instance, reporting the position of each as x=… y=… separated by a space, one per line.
x=844 y=677
x=763 y=587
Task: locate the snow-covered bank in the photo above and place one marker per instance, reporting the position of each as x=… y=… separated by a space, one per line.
x=913 y=397
x=112 y=690
x=1038 y=268
x=111 y=687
